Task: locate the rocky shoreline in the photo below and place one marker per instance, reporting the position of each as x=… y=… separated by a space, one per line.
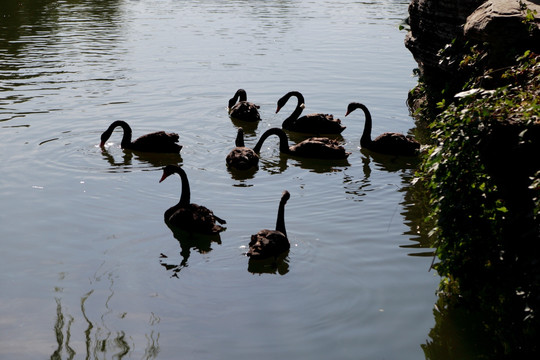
x=477 y=98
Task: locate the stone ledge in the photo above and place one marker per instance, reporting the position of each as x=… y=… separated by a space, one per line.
x=436 y=23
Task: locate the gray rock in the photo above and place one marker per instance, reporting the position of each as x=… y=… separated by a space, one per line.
x=436 y=23
x=501 y=24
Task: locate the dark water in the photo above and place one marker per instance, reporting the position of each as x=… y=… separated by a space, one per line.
x=89 y=268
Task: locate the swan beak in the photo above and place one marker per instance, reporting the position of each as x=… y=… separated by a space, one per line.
x=102 y=144
x=347 y=113
x=278 y=108
x=163 y=177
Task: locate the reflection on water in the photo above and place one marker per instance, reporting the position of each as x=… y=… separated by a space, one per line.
x=415 y=211
x=321 y=166
x=99 y=340
x=358 y=188
x=250 y=127
x=391 y=163
x=279 y=265
x=156 y=160
x=61 y=340
x=415 y=202
x=40 y=39
x=242 y=175
x=199 y=242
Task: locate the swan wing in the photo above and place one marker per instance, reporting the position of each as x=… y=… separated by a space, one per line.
x=267 y=243
x=245 y=111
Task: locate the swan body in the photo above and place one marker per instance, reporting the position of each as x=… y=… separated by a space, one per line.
x=390 y=143
x=311 y=123
x=243 y=109
x=314 y=147
x=242 y=157
x=160 y=141
x=271 y=243
x=187 y=216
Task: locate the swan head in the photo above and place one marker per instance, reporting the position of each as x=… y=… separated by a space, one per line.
x=169 y=170
x=353 y=106
x=285 y=196
x=232 y=101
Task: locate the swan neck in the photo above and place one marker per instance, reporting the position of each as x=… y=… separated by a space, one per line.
x=126 y=138
x=186 y=193
x=240 y=138
x=366 y=135
x=297 y=111
x=242 y=95
x=283 y=140
x=280 y=222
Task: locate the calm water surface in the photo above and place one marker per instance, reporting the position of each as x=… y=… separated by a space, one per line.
x=89 y=268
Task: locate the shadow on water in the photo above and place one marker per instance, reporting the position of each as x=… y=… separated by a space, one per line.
x=279 y=265
x=391 y=163
x=199 y=242
x=250 y=127
x=99 y=340
x=272 y=166
x=125 y=164
x=320 y=166
x=278 y=166
x=242 y=174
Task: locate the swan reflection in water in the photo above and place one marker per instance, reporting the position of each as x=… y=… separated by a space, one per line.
x=390 y=162
x=278 y=265
x=415 y=204
x=202 y=243
x=403 y=165
x=129 y=156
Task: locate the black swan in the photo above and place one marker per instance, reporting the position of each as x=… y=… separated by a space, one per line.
x=243 y=109
x=390 y=143
x=311 y=123
x=267 y=243
x=315 y=147
x=242 y=157
x=160 y=141
x=186 y=216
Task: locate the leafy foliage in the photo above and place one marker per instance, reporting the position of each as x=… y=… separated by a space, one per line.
x=485 y=204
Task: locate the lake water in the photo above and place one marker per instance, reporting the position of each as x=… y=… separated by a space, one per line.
x=89 y=268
